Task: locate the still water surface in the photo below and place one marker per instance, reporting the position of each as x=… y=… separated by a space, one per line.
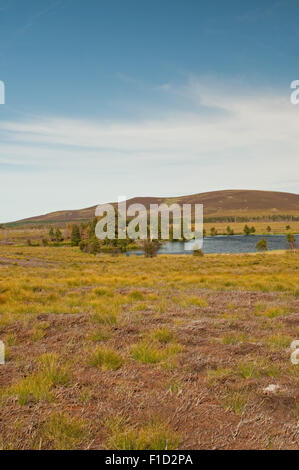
x=226 y=244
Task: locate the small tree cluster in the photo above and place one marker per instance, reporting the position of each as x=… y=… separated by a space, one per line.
x=92 y=246
x=55 y=235
x=248 y=230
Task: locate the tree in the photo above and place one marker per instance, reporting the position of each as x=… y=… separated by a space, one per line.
x=252 y=229
x=75 y=236
x=291 y=241
x=288 y=227
x=51 y=234
x=262 y=245
x=213 y=232
x=92 y=246
x=246 y=230
x=58 y=235
x=150 y=248
x=68 y=231
x=268 y=229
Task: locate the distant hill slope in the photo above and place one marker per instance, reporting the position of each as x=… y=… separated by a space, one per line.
x=216 y=204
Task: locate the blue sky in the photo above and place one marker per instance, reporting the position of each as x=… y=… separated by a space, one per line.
x=125 y=97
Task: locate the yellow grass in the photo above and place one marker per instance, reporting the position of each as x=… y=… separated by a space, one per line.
x=88 y=337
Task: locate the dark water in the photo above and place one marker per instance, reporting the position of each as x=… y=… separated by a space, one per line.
x=227 y=244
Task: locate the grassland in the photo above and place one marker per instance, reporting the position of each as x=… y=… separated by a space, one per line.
x=133 y=353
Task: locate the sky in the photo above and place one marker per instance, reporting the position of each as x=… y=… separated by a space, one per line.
x=109 y=98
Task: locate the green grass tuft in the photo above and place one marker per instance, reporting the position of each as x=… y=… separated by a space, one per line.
x=106 y=358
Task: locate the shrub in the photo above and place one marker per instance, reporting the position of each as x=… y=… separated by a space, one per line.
x=291 y=241
x=58 y=235
x=198 y=252
x=45 y=242
x=75 y=235
x=92 y=246
x=262 y=245
x=51 y=234
x=150 y=248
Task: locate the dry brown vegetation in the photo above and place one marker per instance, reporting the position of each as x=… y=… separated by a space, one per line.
x=133 y=353
x=235 y=202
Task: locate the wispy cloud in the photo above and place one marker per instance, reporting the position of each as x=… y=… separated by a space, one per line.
x=225 y=121
x=235 y=138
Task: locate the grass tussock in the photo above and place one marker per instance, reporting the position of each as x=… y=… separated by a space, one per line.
x=279 y=341
x=106 y=358
x=151 y=352
x=193 y=301
x=234 y=338
x=39 y=385
x=254 y=369
x=101 y=334
x=105 y=318
x=163 y=335
x=235 y=401
x=273 y=312
x=62 y=432
x=152 y=436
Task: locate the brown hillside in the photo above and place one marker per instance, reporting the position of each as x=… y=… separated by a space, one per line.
x=216 y=203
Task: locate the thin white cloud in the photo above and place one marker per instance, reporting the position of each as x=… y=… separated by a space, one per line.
x=235 y=139
x=254 y=124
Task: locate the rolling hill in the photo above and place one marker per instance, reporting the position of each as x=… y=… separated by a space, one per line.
x=226 y=203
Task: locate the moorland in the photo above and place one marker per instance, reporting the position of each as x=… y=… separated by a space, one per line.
x=169 y=352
